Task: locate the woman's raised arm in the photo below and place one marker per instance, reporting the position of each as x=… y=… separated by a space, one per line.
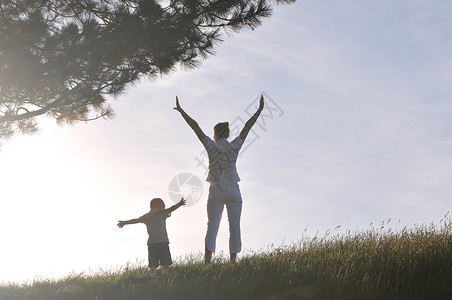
x=252 y=120
x=192 y=123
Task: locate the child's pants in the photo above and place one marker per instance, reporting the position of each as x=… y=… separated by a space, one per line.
x=219 y=196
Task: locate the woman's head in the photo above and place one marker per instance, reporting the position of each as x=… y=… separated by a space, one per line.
x=157 y=203
x=221 y=131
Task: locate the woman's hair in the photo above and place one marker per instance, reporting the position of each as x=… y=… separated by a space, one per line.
x=157 y=203
x=222 y=130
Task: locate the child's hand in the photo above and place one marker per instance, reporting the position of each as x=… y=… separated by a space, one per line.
x=182 y=201
x=121 y=224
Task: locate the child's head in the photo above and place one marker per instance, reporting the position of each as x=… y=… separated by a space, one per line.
x=157 y=203
x=221 y=131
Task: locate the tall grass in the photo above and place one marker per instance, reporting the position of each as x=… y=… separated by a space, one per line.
x=377 y=263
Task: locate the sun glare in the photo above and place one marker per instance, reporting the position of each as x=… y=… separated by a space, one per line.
x=40 y=188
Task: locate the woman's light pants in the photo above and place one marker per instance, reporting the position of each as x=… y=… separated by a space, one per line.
x=219 y=196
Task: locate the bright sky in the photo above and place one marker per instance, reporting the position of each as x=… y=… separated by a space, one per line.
x=357 y=130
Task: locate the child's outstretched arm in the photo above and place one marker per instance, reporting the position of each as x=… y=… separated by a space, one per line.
x=128 y=222
x=192 y=123
x=246 y=129
x=176 y=206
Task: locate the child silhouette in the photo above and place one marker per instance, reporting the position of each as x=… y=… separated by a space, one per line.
x=158 y=242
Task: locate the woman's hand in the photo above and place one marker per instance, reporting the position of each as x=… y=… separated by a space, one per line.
x=192 y=123
x=261 y=103
x=252 y=120
x=178 y=108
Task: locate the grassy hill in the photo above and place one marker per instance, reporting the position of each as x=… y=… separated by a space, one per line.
x=378 y=263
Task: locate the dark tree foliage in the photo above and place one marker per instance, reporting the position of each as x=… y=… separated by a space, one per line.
x=63 y=58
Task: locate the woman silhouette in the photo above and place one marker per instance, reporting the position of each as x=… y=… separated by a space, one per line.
x=223 y=179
